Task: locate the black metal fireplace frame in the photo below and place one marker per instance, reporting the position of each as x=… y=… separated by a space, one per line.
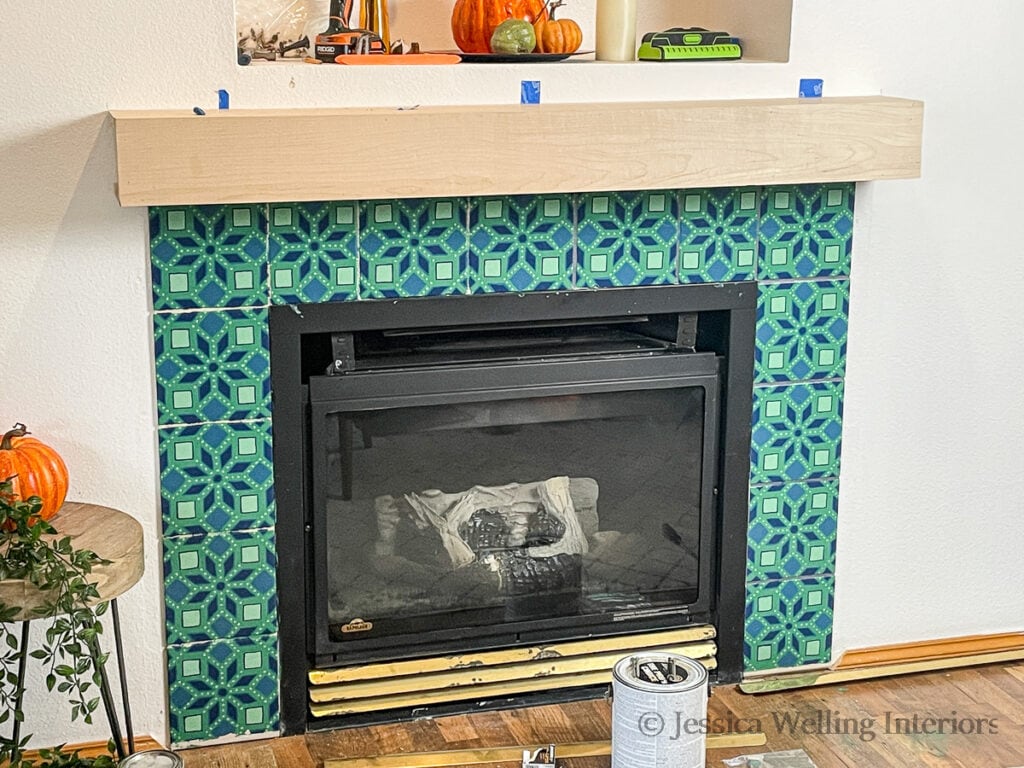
x=730 y=312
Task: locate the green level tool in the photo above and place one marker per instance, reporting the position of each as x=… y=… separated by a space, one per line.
x=690 y=44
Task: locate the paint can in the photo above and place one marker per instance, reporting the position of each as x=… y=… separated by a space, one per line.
x=152 y=758
x=659 y=712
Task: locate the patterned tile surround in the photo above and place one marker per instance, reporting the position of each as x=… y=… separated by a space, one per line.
x=216 y=269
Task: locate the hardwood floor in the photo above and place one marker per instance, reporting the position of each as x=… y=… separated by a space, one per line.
x=862 y=725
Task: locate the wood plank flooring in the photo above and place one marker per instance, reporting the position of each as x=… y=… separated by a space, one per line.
x=858 y=725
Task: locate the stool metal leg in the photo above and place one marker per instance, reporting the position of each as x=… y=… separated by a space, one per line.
x=19 y=692
x=108 y=699
x=123 y=675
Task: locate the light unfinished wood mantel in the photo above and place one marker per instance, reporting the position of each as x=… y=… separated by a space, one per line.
x=257 y=156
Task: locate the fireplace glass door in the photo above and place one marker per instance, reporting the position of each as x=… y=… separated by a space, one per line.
x=514 y=502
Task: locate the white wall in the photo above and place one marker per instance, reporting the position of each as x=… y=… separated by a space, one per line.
x=930 y=540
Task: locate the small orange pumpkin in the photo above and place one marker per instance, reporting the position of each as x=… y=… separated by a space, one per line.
x=35 y=469
x=474 y=21
x=557 y=36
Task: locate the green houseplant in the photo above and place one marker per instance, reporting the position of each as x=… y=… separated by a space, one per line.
x=32 y=551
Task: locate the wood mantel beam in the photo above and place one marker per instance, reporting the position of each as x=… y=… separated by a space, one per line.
x=256 y=156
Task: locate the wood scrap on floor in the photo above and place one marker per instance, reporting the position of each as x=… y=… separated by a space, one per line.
x=458 y=757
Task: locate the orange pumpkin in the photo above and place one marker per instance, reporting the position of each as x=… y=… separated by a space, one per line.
x=557 y=36
x=34 y=469
x=474 y=21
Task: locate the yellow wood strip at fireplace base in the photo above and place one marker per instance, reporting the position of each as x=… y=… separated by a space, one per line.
x=545 y=668
x=457 y=757
x=626 y=644
x=490 y=691
x=926 y=650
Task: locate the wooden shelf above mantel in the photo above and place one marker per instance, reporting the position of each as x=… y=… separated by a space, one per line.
x=257 y=156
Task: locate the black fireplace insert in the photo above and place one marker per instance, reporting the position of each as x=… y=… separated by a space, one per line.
x=468 y=473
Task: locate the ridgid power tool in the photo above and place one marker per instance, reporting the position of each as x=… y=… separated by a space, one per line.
x=340 y=39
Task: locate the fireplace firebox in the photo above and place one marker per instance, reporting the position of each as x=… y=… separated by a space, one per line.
x=469 y=473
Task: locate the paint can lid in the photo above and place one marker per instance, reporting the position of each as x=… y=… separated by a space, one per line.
x=666 y=672
x=152 y=758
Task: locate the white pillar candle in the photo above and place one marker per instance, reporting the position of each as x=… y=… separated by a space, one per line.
x=616 y=30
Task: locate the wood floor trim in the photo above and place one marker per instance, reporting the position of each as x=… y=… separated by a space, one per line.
x=927 y=650
x=626 y=644
x=830 y=677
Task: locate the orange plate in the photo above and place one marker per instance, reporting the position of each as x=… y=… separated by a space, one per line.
x=395 y=58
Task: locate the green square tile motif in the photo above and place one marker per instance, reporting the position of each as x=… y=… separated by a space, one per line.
x=797 y=431
x=224 y=374
x=313 y=252
x=792 y=530
x=222 y=688
x=718 y=235
x=414 y=247
x=229 y=596
x=801 y=331
x=799 y=629
x=520 y=243
x=216 y=478
x=208 y=256
x=806 y=231
x=626 y=239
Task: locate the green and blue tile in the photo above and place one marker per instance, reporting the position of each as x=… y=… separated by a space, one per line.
x=806 y=231
x=208 y=256
x=219 y=586
x=788 y=623
x=801 y=331
x=626 y=239
x=412 y=248
x=797 y=432
x=222 y=688
x=718 y=234
x=792 y=530
x=212 y=366
x=520 y=243
x=216 y=477
x=313 y=252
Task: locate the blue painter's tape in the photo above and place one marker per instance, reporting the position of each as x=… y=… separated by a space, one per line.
x=530 y=92
x=810 y=88
x=223 y=99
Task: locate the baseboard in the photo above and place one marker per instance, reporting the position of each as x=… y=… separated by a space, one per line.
x=900 y=659
x=97 y=748
x=928 y=650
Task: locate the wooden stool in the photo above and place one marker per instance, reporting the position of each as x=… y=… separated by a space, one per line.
x=114 y=536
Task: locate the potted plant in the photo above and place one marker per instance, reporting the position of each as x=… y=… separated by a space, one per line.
x=40 y=562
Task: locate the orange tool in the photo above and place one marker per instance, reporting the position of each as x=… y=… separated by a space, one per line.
x=340 y=39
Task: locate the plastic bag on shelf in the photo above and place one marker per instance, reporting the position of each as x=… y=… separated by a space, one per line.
x=273 y=25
